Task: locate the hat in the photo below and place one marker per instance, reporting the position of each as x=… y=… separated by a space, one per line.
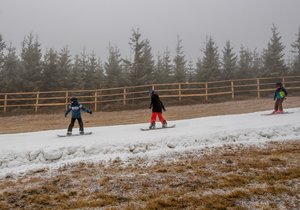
x=74 y=99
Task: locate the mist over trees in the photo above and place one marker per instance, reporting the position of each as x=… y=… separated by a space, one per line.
x=32 y=70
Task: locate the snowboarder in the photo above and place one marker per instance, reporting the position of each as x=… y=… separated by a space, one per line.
x=157 y=108
x=279 y=96
x=76 y=108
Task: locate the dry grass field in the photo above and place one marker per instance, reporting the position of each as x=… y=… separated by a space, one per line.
x=229 y=177
x=27 y=123
x=221 y=178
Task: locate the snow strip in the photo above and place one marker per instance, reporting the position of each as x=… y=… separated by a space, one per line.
x=26 y=152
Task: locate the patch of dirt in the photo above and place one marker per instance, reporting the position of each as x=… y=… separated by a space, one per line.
x=28 y=123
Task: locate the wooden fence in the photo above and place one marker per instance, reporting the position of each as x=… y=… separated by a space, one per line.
x=230 y=89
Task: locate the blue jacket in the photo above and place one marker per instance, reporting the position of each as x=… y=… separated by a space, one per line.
x=76 y=108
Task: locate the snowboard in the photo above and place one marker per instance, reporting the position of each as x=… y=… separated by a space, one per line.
x=269 y=114
x=76 y=134
x=148 y=129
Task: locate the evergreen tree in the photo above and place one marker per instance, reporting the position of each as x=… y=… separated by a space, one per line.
x=10 y=75
x=179 y=63
x=148 y=63
x=210 y=63
x=167 y=66
x=244 y=69
x=136 y=74
x=229 y=62
x=76 y=74
x=64 y=65
x=273 y=56
x=113 y=68
x=256 y=64
x=2 y=48
x=50 y=73
x=191 y=71
x=163 y=68
x=198 y=71
x=296 y=51
x=31 y=63
x=93 y=76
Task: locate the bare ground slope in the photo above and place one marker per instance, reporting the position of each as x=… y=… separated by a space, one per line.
x=27 y=123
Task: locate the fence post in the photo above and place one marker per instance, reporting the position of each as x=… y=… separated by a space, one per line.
x=258 y=87
x=67 y=101
x=124 y=96
x=179 y=91
x=206 y=91
x=5 y=102
x=95 y=101
x=37 y=101
x=283 y=81
x=232 y=90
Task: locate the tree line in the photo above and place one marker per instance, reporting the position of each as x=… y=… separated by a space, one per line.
x=58 y=70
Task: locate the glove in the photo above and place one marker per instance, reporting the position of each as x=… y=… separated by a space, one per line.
x=149 y=107
x=66 y=114
x=90 y=111
x=164 y=110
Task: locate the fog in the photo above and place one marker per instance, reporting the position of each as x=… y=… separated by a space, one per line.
x=94 y=24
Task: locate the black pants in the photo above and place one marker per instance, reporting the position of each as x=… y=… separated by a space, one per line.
x=73 y=122
x=278 y=104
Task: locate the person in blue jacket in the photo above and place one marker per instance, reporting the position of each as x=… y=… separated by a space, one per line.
x=279 y=95
x=76 y=108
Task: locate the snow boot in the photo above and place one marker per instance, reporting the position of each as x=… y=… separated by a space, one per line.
x=164 y=124
x=81 y=132
x=69 y=133
x=152 y=125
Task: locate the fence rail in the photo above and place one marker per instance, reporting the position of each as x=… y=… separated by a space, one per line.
x=254 y=87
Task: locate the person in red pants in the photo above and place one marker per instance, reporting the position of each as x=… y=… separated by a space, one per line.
x=157 y=108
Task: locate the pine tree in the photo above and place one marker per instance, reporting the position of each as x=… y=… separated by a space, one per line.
x=163 y=68
x=210 y=70
x=31 y=63
x=198 y=71
x=229 y=62
x=10 y=74
x=296 y=51
x=64 y=65
x=256 y=64
x=191 y=71
x=76 y=74
x=244 y=69
x=148 y=63
x=136 y=74
x=113 y=68
x=179 y=63
x=50 y=73
x=93 y=76
x=2 y=48
x=167 y=66
x=273 y=56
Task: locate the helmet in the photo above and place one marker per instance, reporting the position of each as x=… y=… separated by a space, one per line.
x=278 y=84
x=74 y=99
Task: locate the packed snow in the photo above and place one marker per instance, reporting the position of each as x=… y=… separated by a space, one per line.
x=28 y=152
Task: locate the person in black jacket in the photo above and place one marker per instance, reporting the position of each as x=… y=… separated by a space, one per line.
x=279 y=96
x=157 y=108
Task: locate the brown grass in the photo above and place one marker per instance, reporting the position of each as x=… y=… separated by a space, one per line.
x=223 y=178
x=27 y=123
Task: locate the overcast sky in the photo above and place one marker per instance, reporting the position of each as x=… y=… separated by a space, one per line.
x=94 y=24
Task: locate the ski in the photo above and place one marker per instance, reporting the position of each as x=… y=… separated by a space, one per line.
x=76 y=134
x=148 y=129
